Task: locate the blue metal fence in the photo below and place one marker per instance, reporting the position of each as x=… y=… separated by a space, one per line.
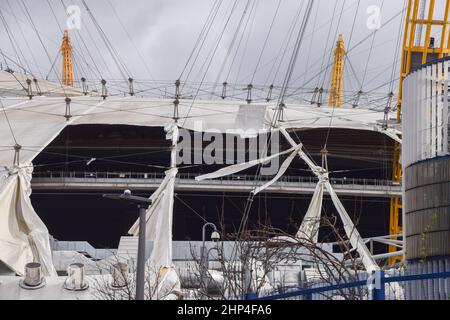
x=379 y=286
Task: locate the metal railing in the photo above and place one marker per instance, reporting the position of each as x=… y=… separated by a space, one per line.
x=61 y=175
x=398 y=286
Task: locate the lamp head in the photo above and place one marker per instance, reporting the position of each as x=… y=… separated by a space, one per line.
x=215 y=236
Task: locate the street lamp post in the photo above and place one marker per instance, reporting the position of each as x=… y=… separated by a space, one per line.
x=142 y=204
x=215 y=236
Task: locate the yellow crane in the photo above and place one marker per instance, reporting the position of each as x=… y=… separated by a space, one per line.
x=335 y=99
x=417 y=50
x=67 y=65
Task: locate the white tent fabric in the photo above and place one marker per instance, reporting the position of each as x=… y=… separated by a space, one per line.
x=317 y=170
x=232 y=169
x=159 y=215
x=159 y=221
x=23 y=236
x=166 y=284
x=284 y=166
x=309 y=228
x=349 y=227
x=36 y=122
x=353 y=235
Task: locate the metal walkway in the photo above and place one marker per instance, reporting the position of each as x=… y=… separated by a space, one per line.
x=116 y=181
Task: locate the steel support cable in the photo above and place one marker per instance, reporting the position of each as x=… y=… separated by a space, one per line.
x=94 y=69
x=200 y=37
x=30 y=19
x=383 y=85
x=331 y=52
x=81 y=65
x=288 y=79
x=353 y=71
x=296 y=20
x=54 y=16
x=210 y=61
x=4 y=58
x=120 y=67
x=239 y=44
x=231 y=46
x=370 y=52
x=74 y=60
x=9 y=123
x=352 y=68
x=347 y=75
x=130 y=38
x=116 y=58
x=335 y=37
x=205 y=36
x=18 y=64
x=190 y=208
x=58 y=55
x=79 y=70
x=386 y=68
x=78 y=36
x=99 y=53
x=286 y=83
x=283 y=45
x=250 y=30
x=59 y=51
x=311 y=43
x=352 y=48
x=24 y=38
x=306 y=36
x=132 y=43
x=18 y=52
x=397 y=49
x=86 y=158
x=294 y=57
x=28 y=24
x=347 y=59
x=390 y=82
x=266 y=40
x=327 y=41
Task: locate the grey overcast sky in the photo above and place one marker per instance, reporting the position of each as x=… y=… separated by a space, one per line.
x=154 y=39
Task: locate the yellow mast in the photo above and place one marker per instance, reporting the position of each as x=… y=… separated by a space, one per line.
x=335 y=99
x=67 y=66
x=416 y=51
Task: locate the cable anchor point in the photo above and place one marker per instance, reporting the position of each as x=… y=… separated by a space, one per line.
x=130 y=86
x=249 y=93
x=224 y=90
x=17 y=148
x=269 y=94
x=320 y=98
x=104 y=90
x=85 y=88
x=68 y=114
x=29 y=89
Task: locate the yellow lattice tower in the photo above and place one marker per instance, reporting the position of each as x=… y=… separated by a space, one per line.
x=67 y=66
x=335 y=99
x=417 y=50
